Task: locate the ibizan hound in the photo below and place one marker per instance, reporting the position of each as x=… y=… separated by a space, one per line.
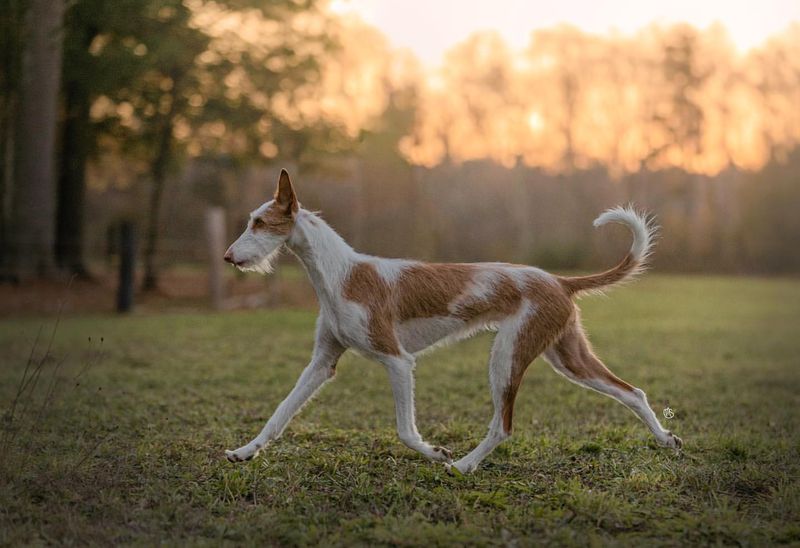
x=392 y=309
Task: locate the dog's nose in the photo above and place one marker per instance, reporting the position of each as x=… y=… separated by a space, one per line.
x=228 y=256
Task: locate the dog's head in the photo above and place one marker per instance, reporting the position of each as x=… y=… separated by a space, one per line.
x=267 y=230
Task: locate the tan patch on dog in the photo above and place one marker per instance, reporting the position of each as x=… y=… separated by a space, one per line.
x=275 y=220
x=426 y=290
x=364 y=285
x=421 y=291
x=502 y=301
x=285 y=197
x=598 y=281
x=575 y=353
x=551 y=315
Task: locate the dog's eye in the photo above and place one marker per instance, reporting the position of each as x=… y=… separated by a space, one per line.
x=258 y=222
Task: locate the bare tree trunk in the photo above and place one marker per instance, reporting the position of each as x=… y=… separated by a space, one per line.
x=159 y=171
x=35 y=171
x=72 y=182
x=569 y=89
x=6 y=179
x=75 y=143
x=11 y=24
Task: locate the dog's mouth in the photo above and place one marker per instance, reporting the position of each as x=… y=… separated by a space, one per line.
x=245 y=266
x=262 y=266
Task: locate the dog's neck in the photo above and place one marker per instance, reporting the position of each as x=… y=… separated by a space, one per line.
x=325 y=255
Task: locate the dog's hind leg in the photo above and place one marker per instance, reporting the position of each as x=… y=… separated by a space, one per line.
x=572 y=356
x=512 y=352
x=327 y=351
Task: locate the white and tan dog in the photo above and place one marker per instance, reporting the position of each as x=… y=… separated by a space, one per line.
x=392 y=309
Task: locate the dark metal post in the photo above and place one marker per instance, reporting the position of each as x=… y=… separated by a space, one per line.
x=127 y=266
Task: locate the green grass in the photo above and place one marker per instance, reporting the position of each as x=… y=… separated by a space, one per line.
x=134 y=452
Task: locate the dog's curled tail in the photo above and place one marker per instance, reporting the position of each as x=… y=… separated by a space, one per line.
x=635 y=262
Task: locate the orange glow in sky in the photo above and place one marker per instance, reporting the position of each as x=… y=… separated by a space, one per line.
x=698 y=85
x=431 y=27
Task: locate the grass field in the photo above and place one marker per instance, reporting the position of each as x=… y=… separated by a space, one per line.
x=121 y=441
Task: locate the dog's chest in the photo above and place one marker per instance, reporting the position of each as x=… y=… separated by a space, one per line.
x=348 y=321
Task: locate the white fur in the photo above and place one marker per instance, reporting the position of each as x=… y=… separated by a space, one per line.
x=421 y=334
x=644 y=231
x=390 y=269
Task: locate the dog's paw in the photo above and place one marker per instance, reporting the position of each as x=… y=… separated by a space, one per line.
x=672 y=441
x=442 y=454
x=461 y=467
x=240 y=455
x=452 y=470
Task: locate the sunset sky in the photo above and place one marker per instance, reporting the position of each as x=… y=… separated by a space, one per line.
x=599 y=85
x=430 y=27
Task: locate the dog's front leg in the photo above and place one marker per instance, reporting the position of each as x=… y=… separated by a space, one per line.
x=401 y=375
x=322 y=368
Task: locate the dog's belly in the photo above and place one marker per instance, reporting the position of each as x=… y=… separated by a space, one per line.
x=419 y=333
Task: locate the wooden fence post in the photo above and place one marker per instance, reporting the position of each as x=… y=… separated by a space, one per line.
x=215 y=233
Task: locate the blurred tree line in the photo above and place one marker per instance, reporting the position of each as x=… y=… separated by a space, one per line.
x=166 y=107
x=144 y=81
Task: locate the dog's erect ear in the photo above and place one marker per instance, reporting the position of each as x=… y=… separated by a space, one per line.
x=284 y=194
